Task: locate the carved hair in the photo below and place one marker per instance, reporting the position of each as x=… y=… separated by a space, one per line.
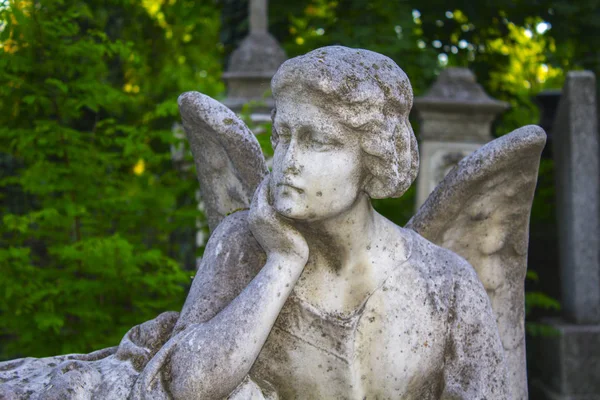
x=366 y=86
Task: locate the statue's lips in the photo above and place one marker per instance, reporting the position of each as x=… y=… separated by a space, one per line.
x=287 y=185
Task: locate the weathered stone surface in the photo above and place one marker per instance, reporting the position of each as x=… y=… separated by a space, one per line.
x=437 y=160
x=104 y=374
x=229 y=161
x=259 y=21
x=311 y=293
x=577 y=173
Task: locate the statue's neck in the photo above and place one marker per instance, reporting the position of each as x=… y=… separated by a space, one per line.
x=339 y=240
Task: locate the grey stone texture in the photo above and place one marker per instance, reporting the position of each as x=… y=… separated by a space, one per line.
x=228 y=158
x=259 y=21
x=311 y=294
x=577 y=173
x=455 y=116
x=105 y=374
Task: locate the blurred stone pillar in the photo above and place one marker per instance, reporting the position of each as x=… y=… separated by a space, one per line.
x=570 y=360
x=456 y=116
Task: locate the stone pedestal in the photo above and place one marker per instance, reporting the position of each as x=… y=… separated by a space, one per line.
x=456 y=116
x=570 y=361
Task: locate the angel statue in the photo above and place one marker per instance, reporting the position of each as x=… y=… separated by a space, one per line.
x=304 y=290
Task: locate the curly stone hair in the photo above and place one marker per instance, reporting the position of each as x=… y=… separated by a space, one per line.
x=376 y=97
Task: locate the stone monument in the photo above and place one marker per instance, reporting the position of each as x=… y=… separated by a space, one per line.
x=456 y=116
x=571 y=359
x=253 y=64
x=304 y=290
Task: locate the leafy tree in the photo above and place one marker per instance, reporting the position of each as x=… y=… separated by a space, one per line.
x=92 y=205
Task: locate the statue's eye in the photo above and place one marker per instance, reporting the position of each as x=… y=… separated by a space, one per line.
x=284 y=134
x=321 y=145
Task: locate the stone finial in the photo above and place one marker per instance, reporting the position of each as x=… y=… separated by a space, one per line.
x=253 y=63
x=456 y=108
x=258 y=16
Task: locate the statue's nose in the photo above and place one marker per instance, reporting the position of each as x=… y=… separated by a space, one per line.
x=292 y=170
x=291 y=163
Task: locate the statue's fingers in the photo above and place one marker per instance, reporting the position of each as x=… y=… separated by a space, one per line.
x=260 y=201
x=260 y=209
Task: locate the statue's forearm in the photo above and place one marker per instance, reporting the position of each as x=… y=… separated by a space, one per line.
x=212 y=358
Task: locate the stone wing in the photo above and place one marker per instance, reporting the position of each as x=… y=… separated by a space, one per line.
x=228 y=158
x=481 y=212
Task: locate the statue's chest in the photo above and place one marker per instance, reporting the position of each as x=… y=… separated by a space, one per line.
x=311 y=354
x=401 y=340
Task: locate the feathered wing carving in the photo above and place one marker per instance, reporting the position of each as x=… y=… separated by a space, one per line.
x=228 y=158
x=481 y=212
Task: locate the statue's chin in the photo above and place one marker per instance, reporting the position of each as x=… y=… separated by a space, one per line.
x=293 y=210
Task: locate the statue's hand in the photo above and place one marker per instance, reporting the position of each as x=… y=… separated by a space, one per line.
x=275 y=234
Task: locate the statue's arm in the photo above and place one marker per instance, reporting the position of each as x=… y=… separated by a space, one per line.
x=212 y=358
x=209 y=359
x=232 y=258
x=475 y=365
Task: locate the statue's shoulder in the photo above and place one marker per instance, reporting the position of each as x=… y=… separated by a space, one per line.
x=231 y=259
x=437 y=263
x=233 y=226
x=232 y=244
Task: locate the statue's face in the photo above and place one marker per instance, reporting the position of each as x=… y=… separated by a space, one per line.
x=317 y=170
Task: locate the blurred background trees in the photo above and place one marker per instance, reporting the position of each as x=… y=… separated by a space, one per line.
x=98 y=224
x=98 y=221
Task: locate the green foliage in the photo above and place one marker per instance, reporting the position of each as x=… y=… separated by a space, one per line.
x=262 y=130
x=383 y=26
x=398 y=210
x=91 y=202
x=541 y=301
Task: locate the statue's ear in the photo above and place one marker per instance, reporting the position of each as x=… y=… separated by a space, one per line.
x=274 y=134
x=375 y=187
x=414 y=154
x=391 y=172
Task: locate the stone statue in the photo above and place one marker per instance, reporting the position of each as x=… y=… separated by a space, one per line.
x=305 y=291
